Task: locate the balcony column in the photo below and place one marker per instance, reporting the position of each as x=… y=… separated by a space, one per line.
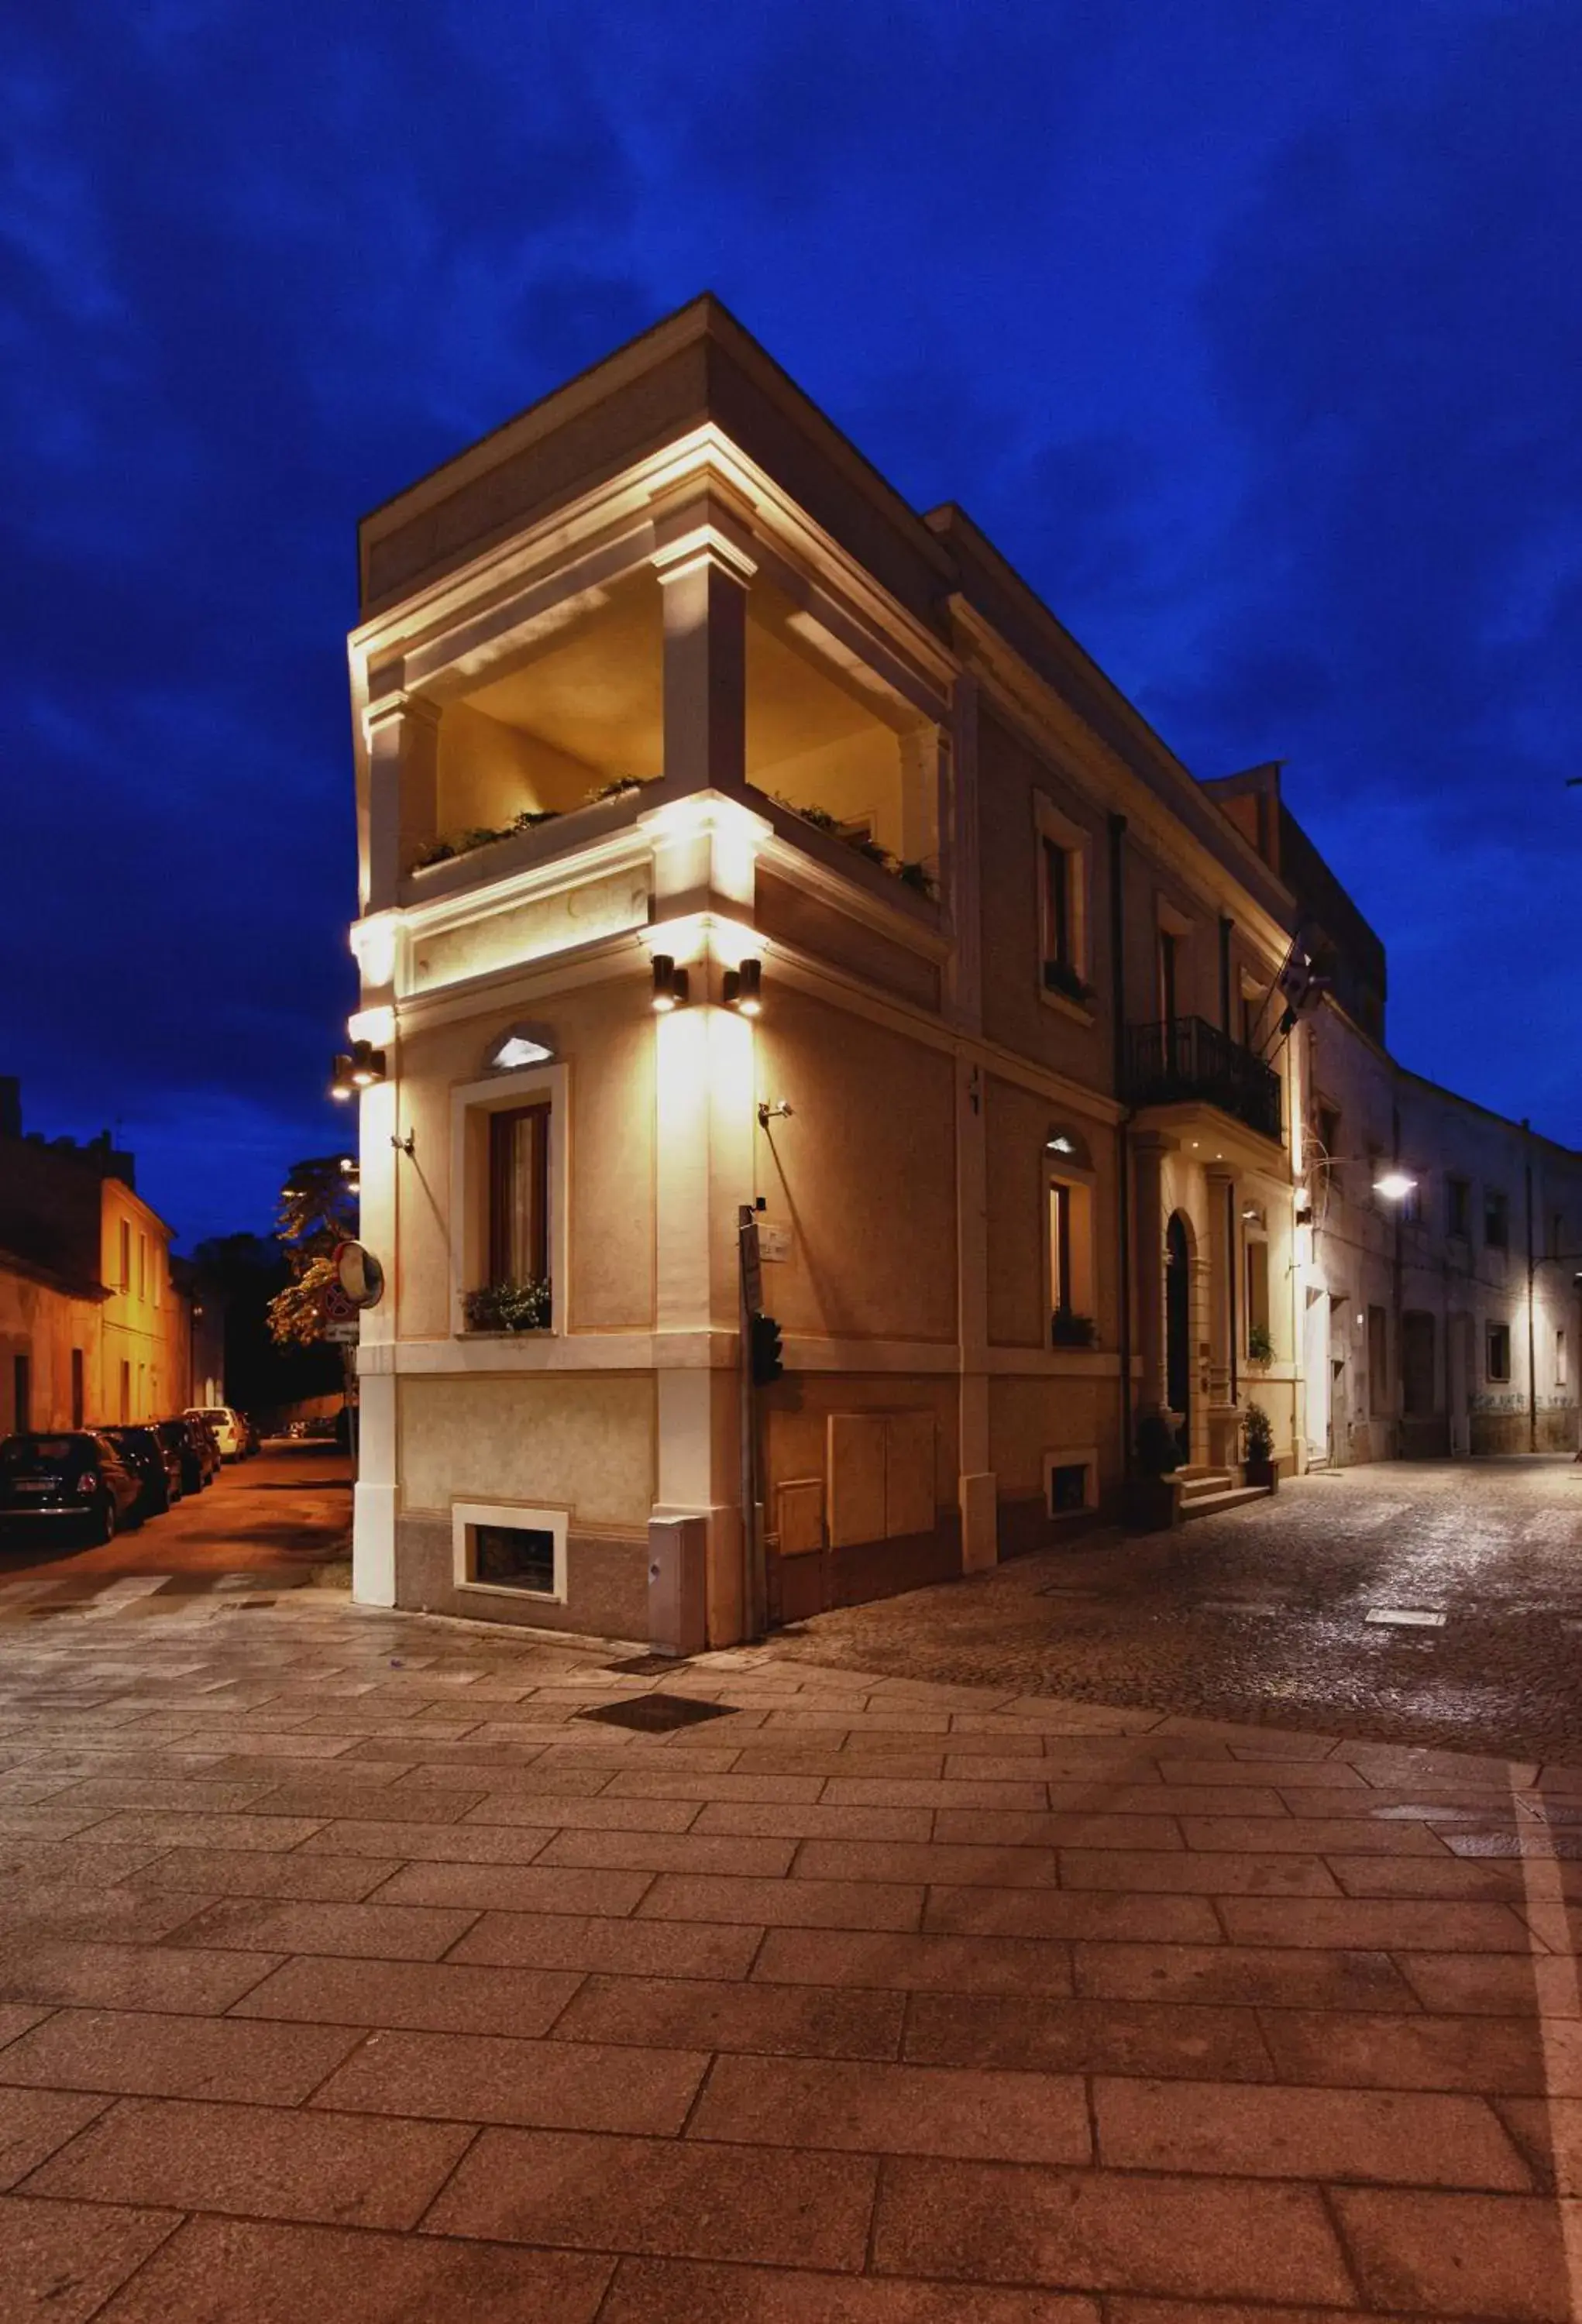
x=1222 y=1212
x=704 y=568
x=1149 y=1148
x=402 y=733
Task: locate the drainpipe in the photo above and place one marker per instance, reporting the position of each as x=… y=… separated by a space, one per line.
x=1531 y=1320
x=1123 y=1152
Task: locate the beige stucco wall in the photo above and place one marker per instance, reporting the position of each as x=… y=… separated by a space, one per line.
x=1029 y=1417
x=44 y=1325
x=489 y=772
x=863 y=1173
x=582 y=1441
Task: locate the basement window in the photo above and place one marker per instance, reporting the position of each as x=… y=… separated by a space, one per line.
x=1067 y=1488
x=519 y=1551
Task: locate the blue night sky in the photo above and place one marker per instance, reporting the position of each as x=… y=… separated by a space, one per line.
x=1250 y=333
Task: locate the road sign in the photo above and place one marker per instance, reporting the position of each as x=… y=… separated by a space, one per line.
x=336 y=1307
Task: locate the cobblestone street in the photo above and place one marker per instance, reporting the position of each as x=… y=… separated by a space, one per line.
x=357 y=1964
x=1263 y=1613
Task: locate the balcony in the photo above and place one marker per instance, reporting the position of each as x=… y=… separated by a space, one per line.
x=1185 y=1060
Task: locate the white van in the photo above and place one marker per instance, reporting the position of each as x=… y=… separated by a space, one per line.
x=226 y=1424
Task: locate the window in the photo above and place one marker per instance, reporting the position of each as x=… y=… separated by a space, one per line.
x=1496 y=1220
x=1497 y=1348
x=143 y=1266
x=1252 y=1013
x=1378 y=1365
x=21 y=1394
x=519 y=1195
x=125 y=1259
x=507 y=1247
x=1056 y=904
x=77 y=1389
x=1562 y=1373
x=1071 y=1257
x=1457 y=1208
x=1062 y=902
x=1067 y=1488
x=126 y=1398
x=1259 y=1343
x=1329 y=1132
x=520 y=1550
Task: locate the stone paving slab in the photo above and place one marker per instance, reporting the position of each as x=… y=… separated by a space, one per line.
x=945 y=2005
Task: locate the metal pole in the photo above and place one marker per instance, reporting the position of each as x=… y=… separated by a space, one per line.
x=753 y=1561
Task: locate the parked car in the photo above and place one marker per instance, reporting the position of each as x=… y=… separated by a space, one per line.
x=195 y=1450
x=226 y=1425
x=156 y=1465
x=75 y=1482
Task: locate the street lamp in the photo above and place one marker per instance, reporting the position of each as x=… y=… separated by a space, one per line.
x=1395 y=1185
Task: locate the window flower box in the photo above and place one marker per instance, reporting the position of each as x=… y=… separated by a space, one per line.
x=508 y=1307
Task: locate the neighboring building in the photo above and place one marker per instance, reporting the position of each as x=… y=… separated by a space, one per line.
x=93 y=1329
x=1443 y=1321
x=739 y=713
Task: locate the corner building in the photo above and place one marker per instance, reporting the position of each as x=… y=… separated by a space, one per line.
x=659 y=679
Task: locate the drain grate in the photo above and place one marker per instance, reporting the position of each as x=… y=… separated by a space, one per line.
x=1407 y=1618
x=648 y=1665
x=656 y=1714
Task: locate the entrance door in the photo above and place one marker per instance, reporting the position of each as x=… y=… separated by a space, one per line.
x=1339 y=1382
x=1316 y=1366
x=1178 y=1330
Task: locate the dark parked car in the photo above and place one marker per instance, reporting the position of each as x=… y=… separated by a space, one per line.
x=71 y=1483
x=194 y=1449
x=156 y=1465
x=208 y=1445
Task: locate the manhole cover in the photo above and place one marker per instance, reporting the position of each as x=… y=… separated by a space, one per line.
x=648 y=1665
x=656 y=1714
x=1407 y=1618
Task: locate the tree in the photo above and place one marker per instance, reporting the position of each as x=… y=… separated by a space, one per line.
x=318 y=1210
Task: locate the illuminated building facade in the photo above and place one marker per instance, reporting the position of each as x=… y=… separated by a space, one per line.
x=733 y=837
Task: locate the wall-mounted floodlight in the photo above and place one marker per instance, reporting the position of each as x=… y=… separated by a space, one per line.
x=356 y=1069
x=670 y=985
x=1395 y=1185
x=743 y=988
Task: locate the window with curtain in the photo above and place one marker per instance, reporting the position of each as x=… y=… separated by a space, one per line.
x=519 y=1195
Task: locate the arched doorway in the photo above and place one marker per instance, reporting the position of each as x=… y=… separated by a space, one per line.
x=1178 y=1328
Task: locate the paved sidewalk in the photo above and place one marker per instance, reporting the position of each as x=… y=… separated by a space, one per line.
x=346 y=1967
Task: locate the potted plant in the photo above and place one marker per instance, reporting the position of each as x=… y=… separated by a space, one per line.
x=1150 y=1490
x=508 y=1306
x=1069 y=1330
x=1258 y=1436
x=1260 y=1344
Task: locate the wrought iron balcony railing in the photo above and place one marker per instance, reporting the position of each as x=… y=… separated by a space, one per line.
x=1186 y=1057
